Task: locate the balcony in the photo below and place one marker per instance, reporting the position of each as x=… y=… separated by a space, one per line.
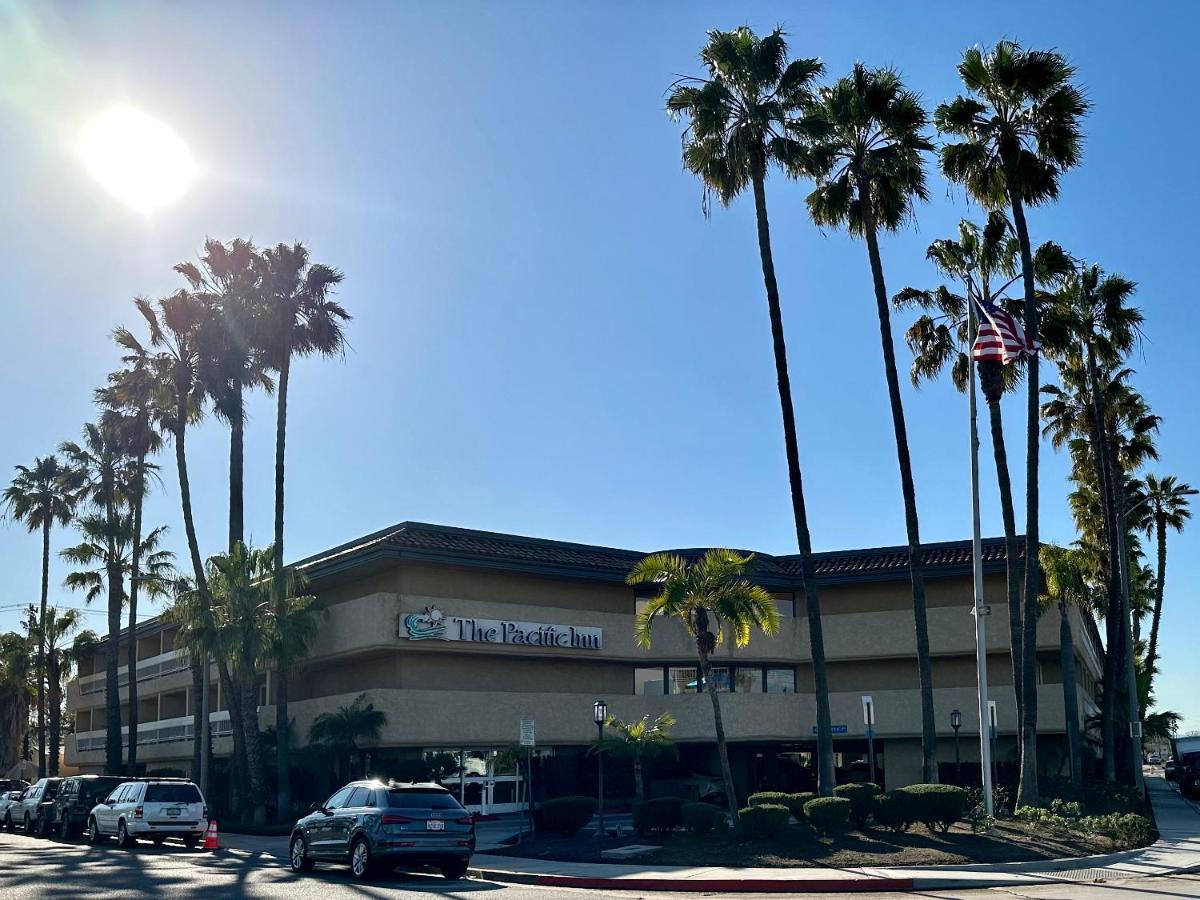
x=151 y=667
x=163 y=731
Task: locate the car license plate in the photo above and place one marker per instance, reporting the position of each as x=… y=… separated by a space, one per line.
x=435 y=825
x=172 y=813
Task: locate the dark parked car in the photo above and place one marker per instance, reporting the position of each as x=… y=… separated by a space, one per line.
x=76 y=797
x=1171 y=770
x=1189 y=776
x=29 y=811
x=374 y=826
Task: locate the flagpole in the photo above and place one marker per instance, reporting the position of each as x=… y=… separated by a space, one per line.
x=980 y=611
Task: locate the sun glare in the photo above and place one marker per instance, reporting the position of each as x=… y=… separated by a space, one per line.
x=136 y=158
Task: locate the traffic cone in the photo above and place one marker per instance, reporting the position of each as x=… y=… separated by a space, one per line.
x=210 y=837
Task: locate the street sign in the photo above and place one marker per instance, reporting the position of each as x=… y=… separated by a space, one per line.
x=868 y=705
x=527 y=733
x=835 y=729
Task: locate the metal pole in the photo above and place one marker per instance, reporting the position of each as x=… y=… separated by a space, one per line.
x=462 y=776
x=871 y=752
x=957 y=759
x=979 y=610
x=204 y=731
x=600 y=786
x=529 y=787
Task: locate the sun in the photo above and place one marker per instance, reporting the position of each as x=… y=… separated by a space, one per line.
x=136 y=158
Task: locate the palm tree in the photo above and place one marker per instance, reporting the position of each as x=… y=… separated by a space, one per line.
x=639 y=742
x=59 y=660
x=300 y=319
x=15 y=689
x=1066 y=585
x=866 y=156
x=746 y=116
x=1022 y=132
x=128 y=403
x=984 y=261
x=341 y=731
x=706 y=596
x=1165 y=506
x=39 y=496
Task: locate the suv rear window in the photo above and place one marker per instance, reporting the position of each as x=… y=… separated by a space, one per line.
x=98 y=787
x=172 y=793
x=422 y=800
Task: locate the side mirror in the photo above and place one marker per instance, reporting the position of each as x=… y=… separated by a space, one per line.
x=108 y=801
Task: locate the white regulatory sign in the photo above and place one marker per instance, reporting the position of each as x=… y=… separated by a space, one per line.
x=527 y=733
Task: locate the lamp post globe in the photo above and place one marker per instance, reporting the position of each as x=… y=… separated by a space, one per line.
x=599 y=712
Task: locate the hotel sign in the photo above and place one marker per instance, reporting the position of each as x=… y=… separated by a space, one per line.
x=433 y=624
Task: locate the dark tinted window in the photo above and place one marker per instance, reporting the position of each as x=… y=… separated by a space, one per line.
x=358 y=797
x=99 y=788
x=51 y=790
x=418 y=799
x=172 y=793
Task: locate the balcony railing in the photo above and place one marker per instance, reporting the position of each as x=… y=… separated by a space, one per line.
x=152 y=667
x=163 y=731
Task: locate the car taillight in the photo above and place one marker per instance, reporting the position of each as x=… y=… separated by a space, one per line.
x=395 y=820
x=137 y=813
x=466 y=820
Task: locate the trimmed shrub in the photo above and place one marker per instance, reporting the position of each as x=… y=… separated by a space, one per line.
x=794 y=802
x=894 y=811
x=567 y=815
x=775 y=798
x=701 y=818
x=765 y=821
x=862 y=800
x=658 y=816
x=936 y=806
x=828 y=815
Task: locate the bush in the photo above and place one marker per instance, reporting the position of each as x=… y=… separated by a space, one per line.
x=701 y=818
x=1122 y=829
x=567 y=815
x=894 y=811
x=862 y=800
x=766 y=820
x=937 y=806
x=828 y=815
x=794 y=802
x=658 y=816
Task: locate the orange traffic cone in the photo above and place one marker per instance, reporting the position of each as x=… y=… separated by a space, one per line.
x=210 y=837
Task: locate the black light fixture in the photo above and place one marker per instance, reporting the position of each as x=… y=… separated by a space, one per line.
x=600 y=716
x=955 y=719
x=599 y=712
x=956 y=723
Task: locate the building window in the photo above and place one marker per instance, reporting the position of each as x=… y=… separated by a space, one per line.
x=781 y=681
x=720 y=678
x=786 y=604
x=748 y=680
x=681 y=680
x=649 y=681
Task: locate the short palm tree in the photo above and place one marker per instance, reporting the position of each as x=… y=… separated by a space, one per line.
x=300 y=318
x=866 y=156
x=706 y=596
x=746 y=116
x=59 y=628
x=40 y=496
x=16 y=687
x=341 y=731
x=1020 y=131
x=639 y=742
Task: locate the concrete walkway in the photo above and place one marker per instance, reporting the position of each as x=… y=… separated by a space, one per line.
x=1177 y=850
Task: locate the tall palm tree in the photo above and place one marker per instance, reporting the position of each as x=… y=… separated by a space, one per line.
x=39 y=496
x=300 y=319
x=128 y=407
x=866 y=156
x=639 y=741
x=707 y=597
x=1066 y=586
x=985 y=262
x=1021 y=131
x=746 y=116
x=1165 y=506
x=59 y=627
x=341 y=731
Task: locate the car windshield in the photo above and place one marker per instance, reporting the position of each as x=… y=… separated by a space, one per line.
x=422 y=800
x=172 y=793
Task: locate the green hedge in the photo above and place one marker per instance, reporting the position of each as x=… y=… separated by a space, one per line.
x=658 y=816
x=794 y=802
x=567 y=815
x=766 y=820
x=862 y=800
x=937 y=806
x=701 y=818
x=828 y=815
x=893 y=811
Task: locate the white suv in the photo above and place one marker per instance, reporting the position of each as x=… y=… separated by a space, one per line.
x=150 y=809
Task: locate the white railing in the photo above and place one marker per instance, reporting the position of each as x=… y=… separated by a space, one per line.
x=164 y=731
x=151 y=667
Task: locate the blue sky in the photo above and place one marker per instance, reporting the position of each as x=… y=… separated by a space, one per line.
x=549 y=338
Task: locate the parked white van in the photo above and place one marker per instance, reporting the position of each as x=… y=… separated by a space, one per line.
x=150 y=809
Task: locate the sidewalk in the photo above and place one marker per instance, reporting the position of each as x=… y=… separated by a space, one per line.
x=1177 y=850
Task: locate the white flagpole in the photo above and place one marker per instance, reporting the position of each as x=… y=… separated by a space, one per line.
x=980 y=611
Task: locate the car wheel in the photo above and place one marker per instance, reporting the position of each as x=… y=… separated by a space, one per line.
x=455 y=870
x=8 y=824
x=123 y=837
x=95 y=836
x=64 y=829
x=299 y=855
x=26 y=826
x=42 y=827
x=360 y=860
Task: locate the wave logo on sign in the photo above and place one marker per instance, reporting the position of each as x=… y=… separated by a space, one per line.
x=426 y=625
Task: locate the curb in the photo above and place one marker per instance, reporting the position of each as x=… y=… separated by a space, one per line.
x=701 y=885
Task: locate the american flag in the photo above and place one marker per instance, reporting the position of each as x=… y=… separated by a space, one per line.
x=1000 y=336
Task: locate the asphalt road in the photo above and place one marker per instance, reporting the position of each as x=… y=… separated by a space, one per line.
x=30 y=867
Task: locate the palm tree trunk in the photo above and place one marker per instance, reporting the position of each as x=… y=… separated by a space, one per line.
x=112 y=697
x=812 y=601
x=639 y=785
x=41 y=659
x=231 y=691
x=1066 y=650
x=55 y=692
x=719 y=728
x=237 y=428
x=282 y=666
x=252 y=741
x=1027 y=788
x=135 y=571
x=1128 y=673
x=990 y=378
x=1160 y=524
x=916 y=557
x=198 y=713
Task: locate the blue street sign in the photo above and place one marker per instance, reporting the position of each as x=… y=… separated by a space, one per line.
x=835 y=729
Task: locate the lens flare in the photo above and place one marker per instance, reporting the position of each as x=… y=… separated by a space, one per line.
x=136 y=158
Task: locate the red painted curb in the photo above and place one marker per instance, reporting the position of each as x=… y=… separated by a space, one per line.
x=700 y=885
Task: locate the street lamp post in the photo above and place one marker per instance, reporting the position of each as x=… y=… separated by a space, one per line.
x=600 y=716
x=956 y=723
